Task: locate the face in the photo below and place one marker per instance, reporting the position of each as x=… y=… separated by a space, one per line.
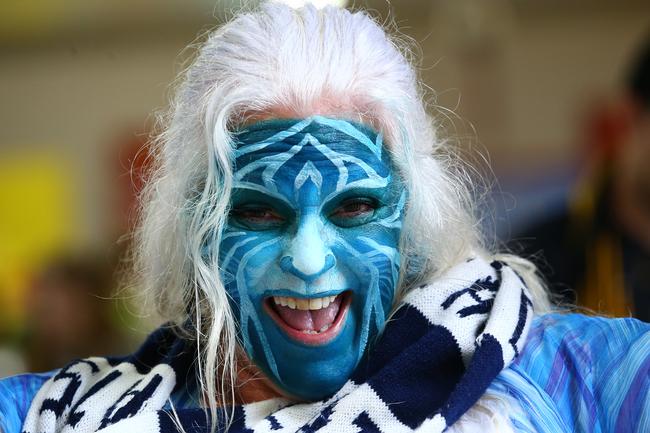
x=309 y=256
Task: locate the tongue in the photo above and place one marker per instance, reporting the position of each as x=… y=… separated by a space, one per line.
x=310 y=320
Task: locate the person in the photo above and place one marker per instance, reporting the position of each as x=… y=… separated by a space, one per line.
x=313 y=246
x=600 y=246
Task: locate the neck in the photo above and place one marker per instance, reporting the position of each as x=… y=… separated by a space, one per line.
x=252 y=384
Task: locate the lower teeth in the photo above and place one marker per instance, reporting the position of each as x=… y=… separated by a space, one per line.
x=312 y=332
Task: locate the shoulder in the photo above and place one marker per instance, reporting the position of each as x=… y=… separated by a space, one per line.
x=16 y=395
x=590 y=373
x=585 y=342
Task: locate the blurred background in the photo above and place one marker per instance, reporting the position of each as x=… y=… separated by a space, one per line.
x=540 y=89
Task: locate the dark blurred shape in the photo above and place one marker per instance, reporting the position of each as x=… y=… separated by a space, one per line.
x=70 y=315
x=639 y=81
x=597 y=253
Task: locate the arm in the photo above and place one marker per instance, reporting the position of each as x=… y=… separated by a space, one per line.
x=591 y=372
x=16 y=395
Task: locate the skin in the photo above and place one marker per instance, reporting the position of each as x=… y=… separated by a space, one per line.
x=316 y=211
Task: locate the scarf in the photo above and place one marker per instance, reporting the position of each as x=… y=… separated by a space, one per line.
x=437 y=355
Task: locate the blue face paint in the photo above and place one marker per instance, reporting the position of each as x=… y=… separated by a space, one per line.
x=309 y=256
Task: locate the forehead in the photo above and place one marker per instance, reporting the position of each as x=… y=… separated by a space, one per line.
x=329 y=153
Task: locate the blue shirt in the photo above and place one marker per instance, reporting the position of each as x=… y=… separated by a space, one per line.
x=583 y=374
x=576 y=373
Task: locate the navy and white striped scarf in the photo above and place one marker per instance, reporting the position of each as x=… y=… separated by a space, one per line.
x=435 y=359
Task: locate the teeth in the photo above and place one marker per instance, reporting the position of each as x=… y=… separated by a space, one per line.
x=312 y=332
x=304 y=303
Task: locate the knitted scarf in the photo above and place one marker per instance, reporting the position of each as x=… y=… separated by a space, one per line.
x=434 y=360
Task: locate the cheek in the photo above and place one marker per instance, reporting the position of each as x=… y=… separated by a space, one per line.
x=259 y=268
x=371 y=253
x=247 y=261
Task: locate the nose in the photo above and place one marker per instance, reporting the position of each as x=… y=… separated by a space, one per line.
x=307 y=256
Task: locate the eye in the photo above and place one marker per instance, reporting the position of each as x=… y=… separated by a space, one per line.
x=256 y=217
x=354 y=211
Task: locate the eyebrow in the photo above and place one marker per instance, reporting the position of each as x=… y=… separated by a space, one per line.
x=262 y=189
x=355 y=186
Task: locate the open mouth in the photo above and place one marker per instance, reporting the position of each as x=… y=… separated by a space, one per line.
x=311 y=321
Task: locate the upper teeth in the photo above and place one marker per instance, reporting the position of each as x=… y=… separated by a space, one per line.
x=303 y=303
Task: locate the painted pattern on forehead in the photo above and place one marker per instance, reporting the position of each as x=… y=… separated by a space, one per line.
x=317 y=152
x=304 y=163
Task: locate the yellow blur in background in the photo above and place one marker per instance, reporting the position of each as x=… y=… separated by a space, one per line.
x=37 y=220
x=79 y=81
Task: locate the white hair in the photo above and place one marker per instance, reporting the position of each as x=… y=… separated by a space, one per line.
x=292 y=63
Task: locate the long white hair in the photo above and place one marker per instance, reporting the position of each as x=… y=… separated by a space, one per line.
x=288 y=62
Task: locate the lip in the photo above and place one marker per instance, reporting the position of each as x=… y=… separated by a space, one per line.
x=320 y=338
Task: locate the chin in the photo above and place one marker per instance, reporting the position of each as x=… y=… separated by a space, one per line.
x=324 y=380
x=308 y=371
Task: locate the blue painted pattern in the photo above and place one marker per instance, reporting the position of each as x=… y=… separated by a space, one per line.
x=316 y=211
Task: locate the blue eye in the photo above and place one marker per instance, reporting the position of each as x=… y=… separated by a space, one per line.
x=256 y=217
x=354 y=212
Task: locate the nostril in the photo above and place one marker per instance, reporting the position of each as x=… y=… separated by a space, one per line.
x=287 y=265
x=330 y=261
